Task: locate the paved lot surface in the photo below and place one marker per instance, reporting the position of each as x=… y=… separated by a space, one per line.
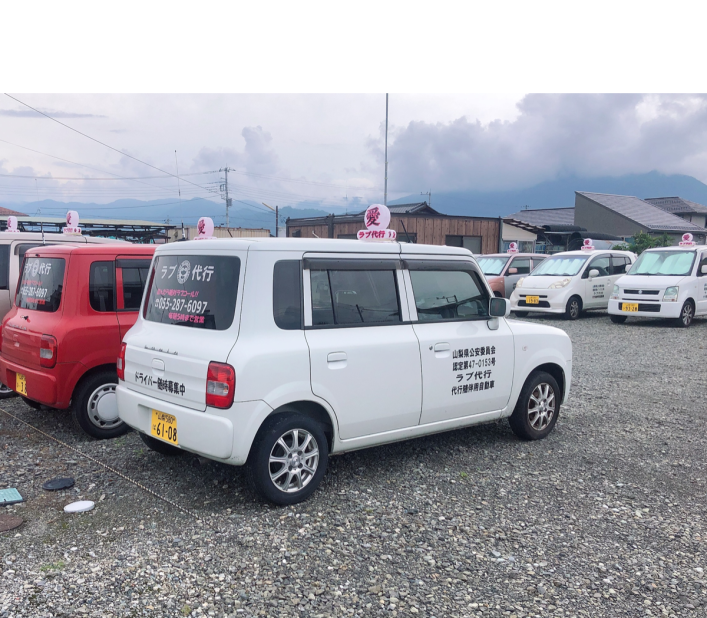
x=603 y=518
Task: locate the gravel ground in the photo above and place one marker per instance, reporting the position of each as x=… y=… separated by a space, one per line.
x=603 y=518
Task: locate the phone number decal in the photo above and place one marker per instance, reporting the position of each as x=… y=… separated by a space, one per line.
x=180 y=304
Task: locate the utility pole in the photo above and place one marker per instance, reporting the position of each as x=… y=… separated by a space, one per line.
x=385 y=190
x=276 y=210
x=429 y=197
x=225 y=170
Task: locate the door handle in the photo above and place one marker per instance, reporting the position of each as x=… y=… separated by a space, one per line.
x=442 y=347
x=336 y=357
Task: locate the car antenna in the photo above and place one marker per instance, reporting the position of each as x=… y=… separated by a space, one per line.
x=41 y=227
x=406 y=232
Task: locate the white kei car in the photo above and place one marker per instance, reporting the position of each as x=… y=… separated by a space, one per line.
x=570 y=282
x=274 y=353
x=670 y=282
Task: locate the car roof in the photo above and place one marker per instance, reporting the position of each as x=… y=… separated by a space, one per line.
x=542 y=255
x=593 y=252
x=78 y=238
x=693 y=248
x=117 y=249
x=309 y=245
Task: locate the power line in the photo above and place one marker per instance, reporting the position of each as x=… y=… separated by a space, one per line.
x=125 y=154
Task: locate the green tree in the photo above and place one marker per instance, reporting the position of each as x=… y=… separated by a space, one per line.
x=642 y=241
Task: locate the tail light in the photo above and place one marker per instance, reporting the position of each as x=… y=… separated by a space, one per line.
x=121 y=363
x=47 y=351
x=220 y=385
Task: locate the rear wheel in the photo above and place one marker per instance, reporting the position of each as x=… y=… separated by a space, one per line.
x=161 y=447
x=687 y=314
x=95 y=407
x=538 y=407
x=573 y=309
x=6 y=392
x=288 y=458
x=618 y=319
x=521 y=314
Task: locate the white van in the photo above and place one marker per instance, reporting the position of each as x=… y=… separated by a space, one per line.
x=670 y=282
x=13 y=246
x=571 y=282
x=278 y=352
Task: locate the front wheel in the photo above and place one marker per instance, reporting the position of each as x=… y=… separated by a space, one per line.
x=537 y=408
x=687 y=314
x=617 y=319
x=6 y=392
x=573 y=308
x=521 y=314
x=288 y=458
x=95 y=406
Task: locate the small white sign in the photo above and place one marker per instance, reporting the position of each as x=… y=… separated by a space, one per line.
x=11 y=224
x=377 y=219
x=587 y=245
x=72 y=223
x=206 y=229
x=687 y=240
x=513 y=247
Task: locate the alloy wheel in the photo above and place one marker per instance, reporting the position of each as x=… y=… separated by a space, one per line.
x=541 y=406
x=293 y=460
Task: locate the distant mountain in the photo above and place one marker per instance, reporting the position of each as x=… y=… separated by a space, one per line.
x=247 y=214
x=560 y=193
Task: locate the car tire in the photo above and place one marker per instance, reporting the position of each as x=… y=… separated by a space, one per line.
x=286 y=444
x=521 y=314
x=618 y=319
x=6 y=392
x=537 y=408
x=161 y=447
x=573 y=309
x=687 y=314
x=35 y=405
x=94 y=409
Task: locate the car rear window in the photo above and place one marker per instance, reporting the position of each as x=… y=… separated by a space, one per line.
x=41 y=284
x=199 y=291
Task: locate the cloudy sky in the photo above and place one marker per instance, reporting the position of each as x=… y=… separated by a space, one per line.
x=292 y=148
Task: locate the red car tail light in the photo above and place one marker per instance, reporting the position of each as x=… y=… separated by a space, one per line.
x=47 y=351
x=121 y=362
x=220 y=385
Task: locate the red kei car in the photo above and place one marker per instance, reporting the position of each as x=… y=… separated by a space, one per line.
x=61 y=340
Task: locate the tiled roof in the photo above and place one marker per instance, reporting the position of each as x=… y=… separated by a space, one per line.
x=677 y=204
x=406 y=209
x=545 y=216
x=6 y=212
x=643 y=213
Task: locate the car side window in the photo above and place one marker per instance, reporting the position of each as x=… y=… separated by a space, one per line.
x=522 y=265
x=101 y=286
x=619 y=264
x=449 y=295
x=601 y=264
x=134 y=280
x=351 y=297
x=703 y=262
x=4 y=267
x=287 y=294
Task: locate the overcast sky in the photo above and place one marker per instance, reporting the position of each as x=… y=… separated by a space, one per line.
x=290 y=148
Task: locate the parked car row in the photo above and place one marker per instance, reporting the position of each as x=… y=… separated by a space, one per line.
x=276 y=353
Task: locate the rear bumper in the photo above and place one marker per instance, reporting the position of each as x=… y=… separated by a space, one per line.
x=209 y=433
x=43 y=385
x=665 y=310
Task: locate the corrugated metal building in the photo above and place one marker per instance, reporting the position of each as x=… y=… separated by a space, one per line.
x=417 y=223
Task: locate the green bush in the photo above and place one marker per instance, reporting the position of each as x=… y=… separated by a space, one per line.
x=642 y=241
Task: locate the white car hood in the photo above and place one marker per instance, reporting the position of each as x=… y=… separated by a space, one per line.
x=541 y=282
x=648 y=282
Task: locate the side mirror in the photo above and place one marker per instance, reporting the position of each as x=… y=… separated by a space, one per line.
x=593 y=273
x=512 y=271
x=499 y=307
x=703 y=269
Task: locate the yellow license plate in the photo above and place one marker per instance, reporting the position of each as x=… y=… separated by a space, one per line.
x=21 y=384
x=629 y=306
x=532 y=300
x=164 y=427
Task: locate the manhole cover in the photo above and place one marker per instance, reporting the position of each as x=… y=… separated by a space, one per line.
x=8 y=522
x=57 y=484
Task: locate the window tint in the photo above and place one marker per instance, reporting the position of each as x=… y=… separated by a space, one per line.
x=348 y=297
x=601 y=264
x=620 y=264
x=41 y=284
x=287 y=294
x=101 y=286
x=522 y=264
x=4 y=267
x=448 y=295
x=198 y=291
x=134 y=280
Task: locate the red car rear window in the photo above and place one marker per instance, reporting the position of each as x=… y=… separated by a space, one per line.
x=41 y=284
